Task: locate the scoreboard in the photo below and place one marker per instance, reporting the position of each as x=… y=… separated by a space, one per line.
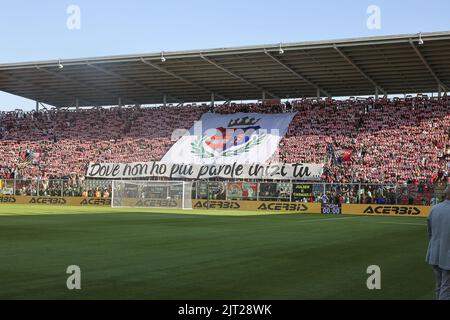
x=331 y=208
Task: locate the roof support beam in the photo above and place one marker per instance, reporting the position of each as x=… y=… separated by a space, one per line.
x=427 y=65
x=173 y=74
x=86 y=85
x=43 y=106
x=295 y=73
x=116 y=75
x=235 y=75
x=343 y=55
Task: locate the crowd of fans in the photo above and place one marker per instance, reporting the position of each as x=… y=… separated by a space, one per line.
x=411 y=194
x=390 y=141
x=59 y=144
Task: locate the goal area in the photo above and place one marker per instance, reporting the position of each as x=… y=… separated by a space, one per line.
x=152 y=194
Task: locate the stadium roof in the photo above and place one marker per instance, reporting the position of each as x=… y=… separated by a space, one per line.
x=351 y=67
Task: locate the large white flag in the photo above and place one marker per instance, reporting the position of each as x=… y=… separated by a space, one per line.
x=232 y=138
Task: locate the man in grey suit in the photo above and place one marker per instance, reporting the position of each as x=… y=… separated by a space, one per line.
x=438 y=254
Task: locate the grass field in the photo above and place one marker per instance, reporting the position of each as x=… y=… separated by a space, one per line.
x=140 y=254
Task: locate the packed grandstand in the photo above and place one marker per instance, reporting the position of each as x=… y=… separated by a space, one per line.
x=390 y=148
x=400 y=141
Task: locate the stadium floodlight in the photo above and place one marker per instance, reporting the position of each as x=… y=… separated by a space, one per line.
x=420 y=38
x=60 y=65
x=152 y=194
x=281 y=51
x=163 y=59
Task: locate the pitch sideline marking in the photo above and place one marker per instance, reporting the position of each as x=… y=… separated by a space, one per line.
x=105 y=213
x=327 y=219
x=405 y=223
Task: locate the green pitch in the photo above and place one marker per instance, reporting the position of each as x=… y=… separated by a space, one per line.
x=139 y=254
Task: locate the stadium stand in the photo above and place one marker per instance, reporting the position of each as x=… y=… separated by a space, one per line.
x=391 y=141
x=59 y=144
x=395 y=141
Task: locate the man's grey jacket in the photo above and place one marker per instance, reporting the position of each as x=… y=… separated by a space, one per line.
x=439 y=232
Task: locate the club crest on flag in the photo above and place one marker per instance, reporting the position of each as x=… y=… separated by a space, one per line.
x=240 y=136
x=231 y=138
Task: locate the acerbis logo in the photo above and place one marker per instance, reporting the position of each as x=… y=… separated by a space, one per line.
x=158 y=203
x=8 y=200
x=48 y=200
x=276 y=206
x=413 y=211
x=96 y=202
x=217 y=205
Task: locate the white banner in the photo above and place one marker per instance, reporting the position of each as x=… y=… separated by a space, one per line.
x=298 y=171
x=232 y=138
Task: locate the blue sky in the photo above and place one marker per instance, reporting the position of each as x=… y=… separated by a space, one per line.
x=36 y=30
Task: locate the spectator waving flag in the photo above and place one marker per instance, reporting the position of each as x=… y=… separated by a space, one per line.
x=347 y=155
